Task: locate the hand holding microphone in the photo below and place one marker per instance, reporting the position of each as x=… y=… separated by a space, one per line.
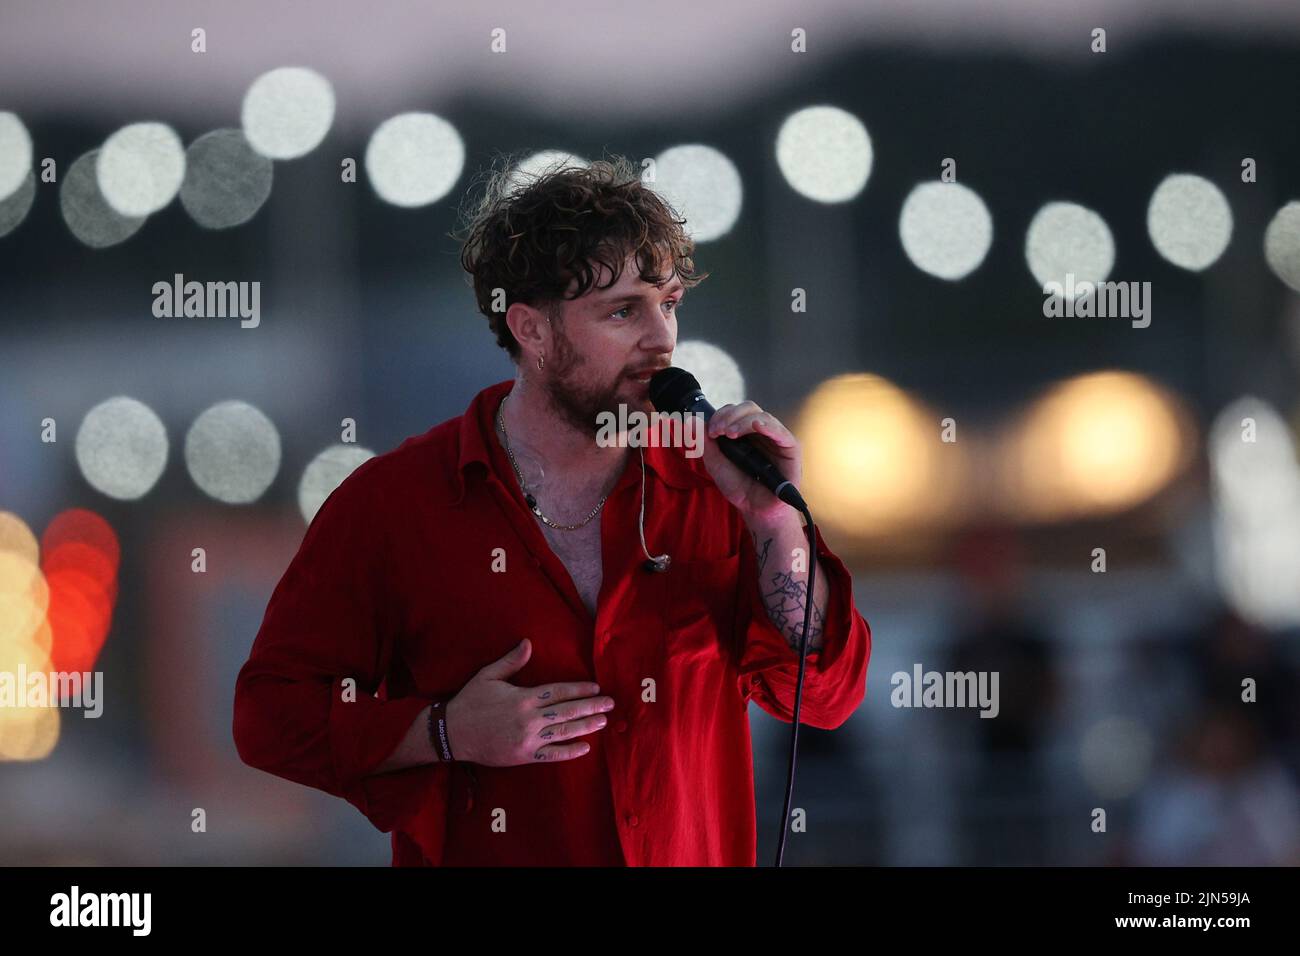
x=755 y=460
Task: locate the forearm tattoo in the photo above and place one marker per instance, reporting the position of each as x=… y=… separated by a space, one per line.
x=786 y=600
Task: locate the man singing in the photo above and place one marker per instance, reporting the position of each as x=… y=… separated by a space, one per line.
x=471 y=646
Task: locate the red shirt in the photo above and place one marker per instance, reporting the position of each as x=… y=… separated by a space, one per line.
x=394 y=586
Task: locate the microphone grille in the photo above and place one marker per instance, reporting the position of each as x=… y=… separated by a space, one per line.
x=671 y=389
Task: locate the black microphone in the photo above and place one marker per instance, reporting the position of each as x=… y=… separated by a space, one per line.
x=676 y=390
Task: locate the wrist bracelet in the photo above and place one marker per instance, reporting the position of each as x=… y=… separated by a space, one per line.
x=438 y=730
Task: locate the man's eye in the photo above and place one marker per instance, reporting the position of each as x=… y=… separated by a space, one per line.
x=672 y=303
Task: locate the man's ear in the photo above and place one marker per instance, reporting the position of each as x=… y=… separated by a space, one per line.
x=530 y=327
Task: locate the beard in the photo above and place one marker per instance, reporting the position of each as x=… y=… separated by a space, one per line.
x=579 y=404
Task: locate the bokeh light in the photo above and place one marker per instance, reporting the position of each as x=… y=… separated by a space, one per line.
x=1282 y=244
x=326 y=472
x=17 y=537
x=287 y=112
x=1255 y=488
x=121 y=448
x=226 y=181
x=24 y=594
x=1095 y=444
x=15 y=154
x=703 y=186
x=414 y=159
x=1065 y=238
x=84 y=527
x=80 y=614
x=1189 y=221
x=14 y=209
x=88 y=215
x=714 y=368
x=24 y=600
x=824 y=153
x=542 y=163
x=80 y=555
x=140 y=168
x=946 y=229
x=86 y=560
x=27 y=733
x=232 y=452
x=1253 y=457
x=874 y=463
x=54 y=618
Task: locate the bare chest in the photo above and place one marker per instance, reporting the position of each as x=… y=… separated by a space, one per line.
x=579 y=552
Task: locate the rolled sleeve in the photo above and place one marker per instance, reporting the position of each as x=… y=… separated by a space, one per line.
x=835 y=675
x=295 y=716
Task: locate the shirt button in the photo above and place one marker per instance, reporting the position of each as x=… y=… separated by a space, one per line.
x=621 y=726
x=632 y=820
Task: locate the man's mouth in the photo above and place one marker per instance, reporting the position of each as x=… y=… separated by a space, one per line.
x=644 y=375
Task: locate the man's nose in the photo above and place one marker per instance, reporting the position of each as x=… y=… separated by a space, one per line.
x=663 y=339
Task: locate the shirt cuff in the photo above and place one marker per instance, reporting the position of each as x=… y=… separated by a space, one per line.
x=363 y=733
x=834 y=675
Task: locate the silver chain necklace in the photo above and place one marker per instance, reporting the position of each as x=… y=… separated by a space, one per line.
x=529 y=498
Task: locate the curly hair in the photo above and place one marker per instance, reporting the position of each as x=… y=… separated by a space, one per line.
x=530 y=236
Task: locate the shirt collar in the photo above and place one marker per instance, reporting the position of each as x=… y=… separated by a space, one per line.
x=478 y=423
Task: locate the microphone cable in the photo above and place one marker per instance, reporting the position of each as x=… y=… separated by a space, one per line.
x=811 y=531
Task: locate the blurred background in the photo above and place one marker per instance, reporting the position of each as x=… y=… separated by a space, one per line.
x=1104 y=510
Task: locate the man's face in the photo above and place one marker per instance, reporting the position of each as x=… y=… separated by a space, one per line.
x=608 y=342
